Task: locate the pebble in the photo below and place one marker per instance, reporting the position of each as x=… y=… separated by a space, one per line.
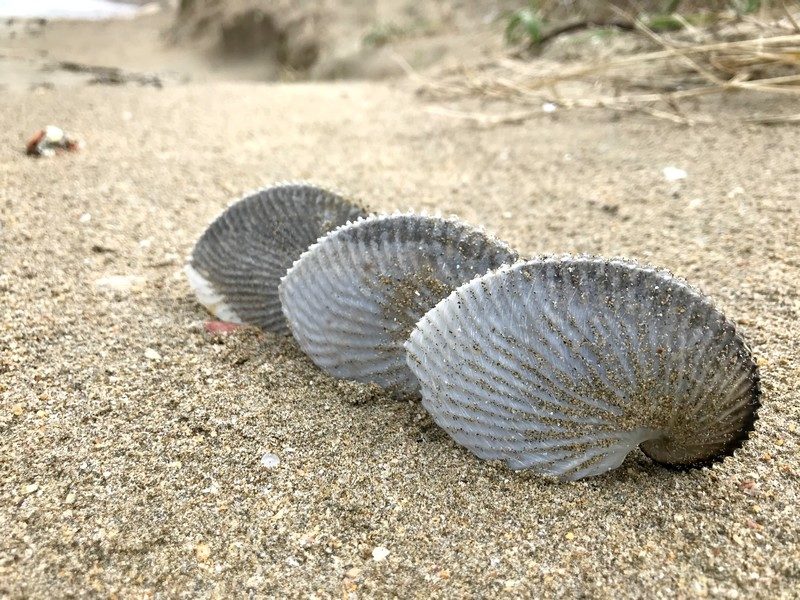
x=737 y=191
x=270 y=461
x=674 y=173
x=220 y=327
x=202 y=551
x=152 y=354
x=379 y=553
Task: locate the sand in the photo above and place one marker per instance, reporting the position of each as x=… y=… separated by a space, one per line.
x=135 y=445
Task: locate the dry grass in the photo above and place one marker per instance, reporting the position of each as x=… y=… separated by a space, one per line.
x=753 y=56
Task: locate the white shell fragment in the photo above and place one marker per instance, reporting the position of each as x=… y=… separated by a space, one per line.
x=565 y=365
x=237 y=263
x=674 y=173
x=352 y=299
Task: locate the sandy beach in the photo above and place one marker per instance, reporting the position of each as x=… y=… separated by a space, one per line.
x=133 y=441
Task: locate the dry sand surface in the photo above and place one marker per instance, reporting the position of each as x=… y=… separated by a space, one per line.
x=132 y=440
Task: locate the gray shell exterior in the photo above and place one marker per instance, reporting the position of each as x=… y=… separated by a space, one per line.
x=352 y=299
x=237 y=263
x=565 y=365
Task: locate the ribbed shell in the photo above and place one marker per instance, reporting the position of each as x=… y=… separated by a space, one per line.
x=565 y=365
x=237 y=263
x=352 y=299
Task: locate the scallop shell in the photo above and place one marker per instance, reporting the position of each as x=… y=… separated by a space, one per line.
x=565 y=365
x=237 y=263
x=352 y=299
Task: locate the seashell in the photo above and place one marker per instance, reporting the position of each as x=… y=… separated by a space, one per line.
x=237 y=263
x=352 y=299
x=565 y=365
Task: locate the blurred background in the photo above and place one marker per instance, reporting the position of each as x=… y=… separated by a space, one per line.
x=290 y=40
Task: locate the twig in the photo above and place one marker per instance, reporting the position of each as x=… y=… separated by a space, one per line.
x=485 y=119
x=774 y=119
x=790 y=17
x=579 y=26
x=757 y=64
x=663 y=43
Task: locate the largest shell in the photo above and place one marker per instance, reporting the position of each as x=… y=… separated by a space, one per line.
x=237 y=263
x=565 y=365
x=352 y=299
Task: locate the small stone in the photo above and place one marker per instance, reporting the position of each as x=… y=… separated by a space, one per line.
x=674 y=173
x=270 y=461
x=202 y=551
x=353 y=573
x=379 y=553
x=70 y=499
x=570 y=536
x=85 y=218
x=678 y=518
x=737 y=191
x=695 y=203
x=30 y=488
x=151 y=354
x=212 y=489
x=221 y=327
x=17 y=410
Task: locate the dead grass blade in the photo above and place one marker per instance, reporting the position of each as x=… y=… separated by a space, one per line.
x=757 y=57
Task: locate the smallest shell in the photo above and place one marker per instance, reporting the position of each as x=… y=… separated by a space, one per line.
x=237 y=263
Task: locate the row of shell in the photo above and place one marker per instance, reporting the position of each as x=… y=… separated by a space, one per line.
x=562 y=365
